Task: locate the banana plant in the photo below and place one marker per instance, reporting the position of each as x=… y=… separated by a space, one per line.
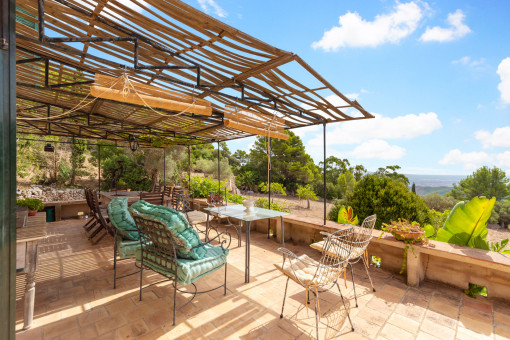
x=466 y=224
x=346 y=216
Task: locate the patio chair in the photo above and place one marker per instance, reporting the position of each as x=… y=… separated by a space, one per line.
x=176 y=191
x=171 y=247
x=99 y=215
x=91 y=223
x=156 y=188
x=218 y=198
x=126 y=239
x=167 y=194
x=359 y=243
x=152 y=197
x=318 y=275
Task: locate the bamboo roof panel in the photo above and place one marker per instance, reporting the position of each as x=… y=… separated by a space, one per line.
x=183 y=52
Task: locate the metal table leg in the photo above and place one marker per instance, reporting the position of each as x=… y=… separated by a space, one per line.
x=207 y=228
x=247 y=253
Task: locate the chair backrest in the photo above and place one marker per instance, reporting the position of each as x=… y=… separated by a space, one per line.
x=168 y=190
x=175 y=194
x=217 y=197
x=184 y=203
x=335 y=256
x=363 y=234
x=157 y=243
x=87 y=198
x=94 y=200
x=152 y=197
x=157 y=188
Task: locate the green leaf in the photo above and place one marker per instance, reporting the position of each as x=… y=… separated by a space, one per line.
x=466 y=224
x=429 y=230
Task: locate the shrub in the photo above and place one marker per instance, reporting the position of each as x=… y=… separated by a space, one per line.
x=437 y=218
x=390 y=199
x=234 y=198
x=501 y=213
x=263 y=203
x=276 y=188
x=333 y=211
x=200 y=186
x=30 y=203
x=307 y=193
x=439 y=202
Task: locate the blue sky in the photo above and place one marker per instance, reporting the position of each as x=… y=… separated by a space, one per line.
x=435 y=74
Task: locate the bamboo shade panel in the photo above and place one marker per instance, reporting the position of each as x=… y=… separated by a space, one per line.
x=173 y=54
x=255 y=130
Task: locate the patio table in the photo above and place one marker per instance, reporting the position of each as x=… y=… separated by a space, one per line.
x=27 y=239
x=239 y=212
x=108 y=196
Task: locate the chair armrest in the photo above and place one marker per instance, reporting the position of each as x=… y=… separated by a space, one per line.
x=222 y=242
x=287 y=252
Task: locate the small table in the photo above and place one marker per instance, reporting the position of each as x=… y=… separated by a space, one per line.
x=108 y=196
x=239 y=212
x=27 y=239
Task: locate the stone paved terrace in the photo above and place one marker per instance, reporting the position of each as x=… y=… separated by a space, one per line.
x=75 y=299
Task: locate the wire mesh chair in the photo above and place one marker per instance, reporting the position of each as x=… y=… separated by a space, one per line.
x=158 y=252
x=318 y=275
x=360 y=241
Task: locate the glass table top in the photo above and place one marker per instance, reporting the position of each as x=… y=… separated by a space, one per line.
x=239 y=211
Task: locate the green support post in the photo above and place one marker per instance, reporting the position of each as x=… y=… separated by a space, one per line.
x=7 y=170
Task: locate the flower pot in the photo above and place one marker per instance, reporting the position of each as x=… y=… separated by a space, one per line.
x=32 y=212
x=409 y=235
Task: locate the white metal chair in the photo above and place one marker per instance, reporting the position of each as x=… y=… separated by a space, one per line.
x=361 y=239
x=318 y=275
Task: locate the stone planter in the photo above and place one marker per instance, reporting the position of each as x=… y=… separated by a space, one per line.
x=32 y=212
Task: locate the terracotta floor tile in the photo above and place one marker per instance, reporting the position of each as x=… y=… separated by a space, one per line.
x=391 y=331
x=132 y=330
x=110 y=323
x=60 y=327
x=404 y=323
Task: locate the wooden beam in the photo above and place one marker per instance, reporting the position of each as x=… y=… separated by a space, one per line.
x=254 y=130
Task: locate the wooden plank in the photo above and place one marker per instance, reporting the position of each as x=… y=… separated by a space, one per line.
x=140 y=99
x=254 y=130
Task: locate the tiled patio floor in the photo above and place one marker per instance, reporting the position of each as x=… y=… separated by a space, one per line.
x=75 y=299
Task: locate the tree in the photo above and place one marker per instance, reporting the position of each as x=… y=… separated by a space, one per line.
x=346 y=183
x=359 y=171
x=335 y=167
x=413 y=188
x=488 y=182
x=390 y=199
x=241 y=157
x=307 y=193
x=290 y=164
x=391 y=172
x=439 y=202
x=276 y=188
x=78 y=149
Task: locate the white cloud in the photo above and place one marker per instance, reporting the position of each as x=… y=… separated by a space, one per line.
x=354 y=31
x=500 y=137
x=306 y=131
x=209 y=6
x=380 y=127
x=468 y=61
x=379 y=149
x=503 y=160
x=457 y=29
x=504 y=85
x=471 y=160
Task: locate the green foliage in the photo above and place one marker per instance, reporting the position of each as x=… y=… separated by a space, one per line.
x=437 y=220
x=333 y=211
x=391 y=172
x=276 y=188
x=413 y=188
x=134 y=174
x=234 y=198
x=64 y=172
x=307 y=193
x=78 y=149
x=290 y=164
x=499 y=247
x=346 y=183
x=466 y=224
x=488 y=182
x=346 y=216
x=475 y=290
x=200 y=186
x=263 y=203
x=501 y=213
x=439 y=202
x=247 y=180
x=390 y=199
x=30 y=203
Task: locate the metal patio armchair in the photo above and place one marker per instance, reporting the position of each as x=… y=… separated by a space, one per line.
x=319 y=276
x=361 y=239
x=218 y=198
x=159 y=247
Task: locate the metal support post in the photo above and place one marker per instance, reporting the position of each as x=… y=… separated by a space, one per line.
x=219 y=177
x=189 y=169
x=99 y=167
x=325 y=193
x=7 y=169
x=269 y=187
x=164 y=167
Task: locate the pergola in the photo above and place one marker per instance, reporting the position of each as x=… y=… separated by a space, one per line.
x=54 y=52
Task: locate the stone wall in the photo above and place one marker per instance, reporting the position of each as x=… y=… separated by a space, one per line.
x=50 y=194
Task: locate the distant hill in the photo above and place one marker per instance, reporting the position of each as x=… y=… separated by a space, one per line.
x=434 y=180
x=422 y=190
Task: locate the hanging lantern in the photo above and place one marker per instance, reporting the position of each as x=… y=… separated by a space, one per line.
x=133 y=143
x=49 y=148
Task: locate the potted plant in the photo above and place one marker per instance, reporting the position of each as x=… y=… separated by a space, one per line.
x=409 y=233
x=33 y=205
